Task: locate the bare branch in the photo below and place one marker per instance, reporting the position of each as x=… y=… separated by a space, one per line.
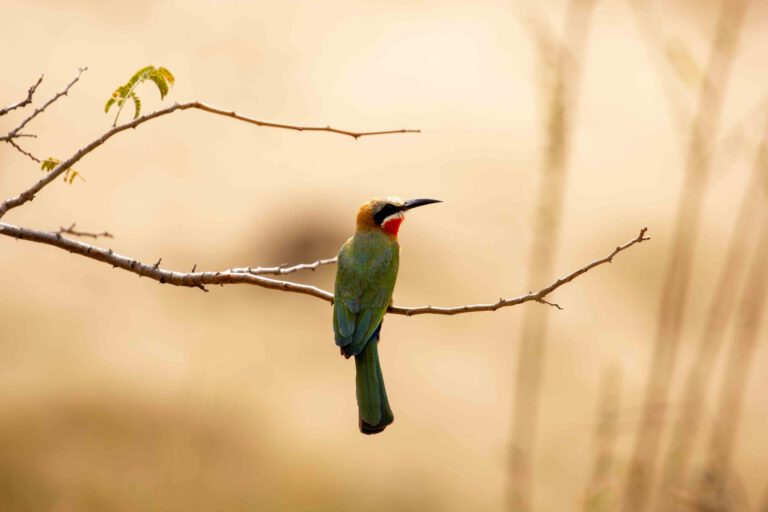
x=283 y=269
x=29 y=194
x=26 y=101
x=23 y=151
x=531 y=296
x=15 y=132
x=153 y=271
x=242 y=276
x=355 y=135
x=71 y=231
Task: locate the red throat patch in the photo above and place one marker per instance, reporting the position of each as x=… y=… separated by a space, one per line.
x=392 y=225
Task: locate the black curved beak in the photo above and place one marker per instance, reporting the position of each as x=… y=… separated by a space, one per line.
x=415 y=203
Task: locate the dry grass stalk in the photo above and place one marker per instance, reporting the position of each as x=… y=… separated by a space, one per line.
x=722 y=305
x=676 y=67
x=560 y=62
x=673 y=300
x=599 y=496
x=763 y=506
x=719 y=487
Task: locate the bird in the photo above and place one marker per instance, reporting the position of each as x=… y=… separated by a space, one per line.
x=366 y=272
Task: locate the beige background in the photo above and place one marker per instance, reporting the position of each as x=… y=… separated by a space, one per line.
x=117 y=393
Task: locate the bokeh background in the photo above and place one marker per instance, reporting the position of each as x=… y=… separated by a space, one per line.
x=117 y=393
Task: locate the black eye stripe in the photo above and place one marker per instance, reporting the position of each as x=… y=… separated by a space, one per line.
x=384 y=212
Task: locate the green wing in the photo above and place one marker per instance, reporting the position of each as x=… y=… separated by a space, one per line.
x=365 y=279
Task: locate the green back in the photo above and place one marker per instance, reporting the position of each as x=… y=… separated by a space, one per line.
x=365 y=278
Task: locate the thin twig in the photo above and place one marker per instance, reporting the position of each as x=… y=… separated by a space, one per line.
x=29 y=194
x=231 y=113
x=26 y=101
x=531 y=296
x=71 y=231
x=282 y=269
x=15 y=132
x=199 y=279
x=23 y=151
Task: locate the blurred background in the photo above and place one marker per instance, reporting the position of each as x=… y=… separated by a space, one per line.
x=552 y=130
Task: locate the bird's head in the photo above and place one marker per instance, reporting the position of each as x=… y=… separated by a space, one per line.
x=387 y=213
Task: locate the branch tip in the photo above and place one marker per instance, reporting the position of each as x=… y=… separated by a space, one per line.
x=26 y=101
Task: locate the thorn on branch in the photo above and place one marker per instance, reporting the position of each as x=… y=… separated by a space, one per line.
x=157 y=265
x=194 y=267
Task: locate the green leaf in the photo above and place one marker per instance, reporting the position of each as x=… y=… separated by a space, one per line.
x=167 y=74
x=160 y=76
x=49 y=164
x=136 y=105
x=70 y=174
x=161 y=84
x=139 y=76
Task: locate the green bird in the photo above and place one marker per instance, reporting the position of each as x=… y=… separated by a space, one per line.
x=365 y=278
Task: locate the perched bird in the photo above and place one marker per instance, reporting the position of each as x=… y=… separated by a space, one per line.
x=365 y=278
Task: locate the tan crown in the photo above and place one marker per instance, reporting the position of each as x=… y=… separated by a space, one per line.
x=367 y=211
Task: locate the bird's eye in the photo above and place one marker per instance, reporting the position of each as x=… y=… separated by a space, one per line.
x=384 y=212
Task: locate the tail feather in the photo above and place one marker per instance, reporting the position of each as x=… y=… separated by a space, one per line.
x=372 y=403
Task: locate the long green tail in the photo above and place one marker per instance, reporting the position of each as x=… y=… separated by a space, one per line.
x=372 y=402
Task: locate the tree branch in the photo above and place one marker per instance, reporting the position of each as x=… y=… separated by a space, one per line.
x=231 y=113
x=29 y=194
x=247 y=276
x=531 y=296
x=15 y=132
x=26 y=101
